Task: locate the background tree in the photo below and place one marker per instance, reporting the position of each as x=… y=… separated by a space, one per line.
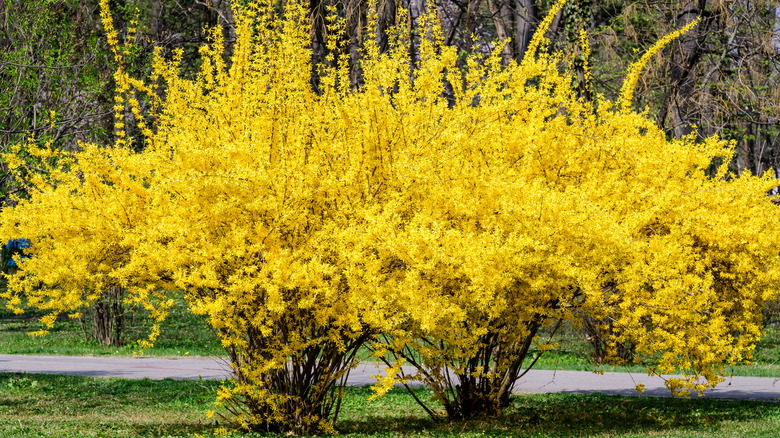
x=54 y=76
x=58 y=85
x=721 y=77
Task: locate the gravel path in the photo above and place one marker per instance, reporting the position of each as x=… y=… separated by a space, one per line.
x=536 y=381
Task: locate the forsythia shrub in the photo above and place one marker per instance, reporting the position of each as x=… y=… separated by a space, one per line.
x=523 y=206
x=442 y=215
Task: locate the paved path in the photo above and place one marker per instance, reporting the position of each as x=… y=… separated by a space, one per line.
x=536 y=381
x=125 y=367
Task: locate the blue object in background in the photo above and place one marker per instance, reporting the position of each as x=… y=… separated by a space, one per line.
x=15 y=246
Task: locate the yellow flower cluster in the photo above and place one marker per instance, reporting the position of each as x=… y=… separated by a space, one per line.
x=632 y=76
x=440 y=215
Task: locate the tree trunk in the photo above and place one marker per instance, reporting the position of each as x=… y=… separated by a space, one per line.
x=678 y=112
x=526 y=21
x=107 y=318
x=502 y=20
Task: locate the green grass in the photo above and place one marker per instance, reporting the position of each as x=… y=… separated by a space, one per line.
x=44 y=405
x=60 y=406
x=63 y=406
x=182 y=334
x=574 y=354
x=185 y=334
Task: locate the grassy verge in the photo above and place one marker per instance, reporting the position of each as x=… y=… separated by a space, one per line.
x=574 y=354
x=61 y=406
x=185 y=334
x=182 y=334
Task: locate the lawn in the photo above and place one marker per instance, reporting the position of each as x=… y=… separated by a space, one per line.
x=62 y=406
x=182 y=334
x=185 y=334
x=574 y=354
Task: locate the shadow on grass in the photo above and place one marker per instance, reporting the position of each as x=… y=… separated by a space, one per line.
x=80 y=428
x=120 y=407
x=573 y=415
x=194 y=429
x=600 y=414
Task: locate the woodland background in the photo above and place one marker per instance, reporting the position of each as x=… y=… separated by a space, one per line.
x=56 y=71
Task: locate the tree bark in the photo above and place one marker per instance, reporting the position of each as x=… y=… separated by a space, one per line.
x=502 y=20
x=107 y=318
x=526 y=21
x=678 y=109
